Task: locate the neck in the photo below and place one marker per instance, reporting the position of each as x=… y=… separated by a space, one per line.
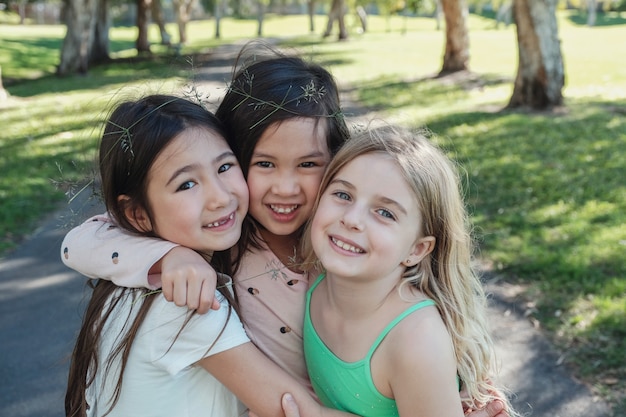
x=358 y=297
x=285 y=248
x=207 y=255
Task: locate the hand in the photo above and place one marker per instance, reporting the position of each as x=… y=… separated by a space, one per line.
x=290 y=407
x=188 y=279
x=493 y=409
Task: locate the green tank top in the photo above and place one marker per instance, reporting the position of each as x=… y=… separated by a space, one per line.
x=347 y=386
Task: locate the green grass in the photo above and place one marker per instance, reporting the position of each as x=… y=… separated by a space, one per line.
x=546 y=190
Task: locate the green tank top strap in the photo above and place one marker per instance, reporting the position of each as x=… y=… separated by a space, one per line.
x=395 y=321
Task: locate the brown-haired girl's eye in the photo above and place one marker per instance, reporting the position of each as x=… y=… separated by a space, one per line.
x=224 y=167
x=187 y=185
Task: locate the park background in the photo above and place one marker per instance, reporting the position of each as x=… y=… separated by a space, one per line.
x=545 y=188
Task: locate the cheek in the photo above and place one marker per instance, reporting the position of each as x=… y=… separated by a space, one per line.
x=311 y=186
x=317 y=234
x=239 y=188
x=255 y=189
x=321 y=219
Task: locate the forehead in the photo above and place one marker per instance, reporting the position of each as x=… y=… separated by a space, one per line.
x=376 y=173
x=192 y=144
x=295 y=135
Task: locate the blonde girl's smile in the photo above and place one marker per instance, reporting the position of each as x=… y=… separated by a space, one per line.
x=362 y=226
x=345 y=246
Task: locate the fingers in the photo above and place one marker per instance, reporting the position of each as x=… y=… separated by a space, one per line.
x=289 y=406
x=189 y=280
x=206 y=300
x=494 y=409
x=168 y=290
x=192 y=287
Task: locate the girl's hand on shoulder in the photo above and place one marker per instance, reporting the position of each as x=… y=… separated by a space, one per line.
x=494 y=408
x=188 y=280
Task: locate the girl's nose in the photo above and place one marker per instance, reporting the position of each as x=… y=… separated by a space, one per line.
x=286 y=184
x=353 y=217
x=217 y=195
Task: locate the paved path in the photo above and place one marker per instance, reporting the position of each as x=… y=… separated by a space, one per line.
x=41 y=303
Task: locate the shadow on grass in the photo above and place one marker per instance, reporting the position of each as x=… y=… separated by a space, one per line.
x=116 y=71
x=577 y=17
x=602 y=19
x=39 y=57
x=387 y=93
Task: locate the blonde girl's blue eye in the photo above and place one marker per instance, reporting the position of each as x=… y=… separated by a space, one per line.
x=386 y=213
x=341 y=195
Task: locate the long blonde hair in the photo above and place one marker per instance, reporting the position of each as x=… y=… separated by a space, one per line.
x=446 y=275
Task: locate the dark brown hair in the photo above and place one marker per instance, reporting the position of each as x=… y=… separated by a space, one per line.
x=267 y=88
x=134 y=135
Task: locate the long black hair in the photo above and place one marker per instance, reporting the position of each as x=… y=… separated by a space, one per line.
x=134 y=135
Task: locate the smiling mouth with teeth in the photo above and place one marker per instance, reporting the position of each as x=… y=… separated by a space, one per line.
x=283 y=210
x=221 y=222
x=345 y=246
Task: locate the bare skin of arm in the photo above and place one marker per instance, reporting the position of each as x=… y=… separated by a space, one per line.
x=260 y=384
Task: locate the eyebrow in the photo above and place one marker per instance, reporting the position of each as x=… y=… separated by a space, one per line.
x=383 y=199
x=191 y=167
x=317 y=154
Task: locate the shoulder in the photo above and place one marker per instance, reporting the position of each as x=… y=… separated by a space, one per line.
x=420 y=339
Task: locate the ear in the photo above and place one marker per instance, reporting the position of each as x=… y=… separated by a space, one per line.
x=421 y=249
x=136 y=215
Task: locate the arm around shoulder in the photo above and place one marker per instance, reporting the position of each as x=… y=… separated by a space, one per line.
x=260 y=383
x=99 y=249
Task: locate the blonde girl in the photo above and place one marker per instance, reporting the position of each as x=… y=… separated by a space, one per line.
x=397 y=319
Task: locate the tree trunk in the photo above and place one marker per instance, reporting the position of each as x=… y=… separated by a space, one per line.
x=311 y=8
x=337 y=13
x=99 y=49
x=438 y=14
x=3 y=93
x=217 y=11
x=260 y=16
x=504 y=14
x=362 y=15
x=540 y=74
x=157 y=16
x=183 y=14
x=76 y=49
x=21 y=10
x=456 y=55
x=142 y=44
x=592 y=6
